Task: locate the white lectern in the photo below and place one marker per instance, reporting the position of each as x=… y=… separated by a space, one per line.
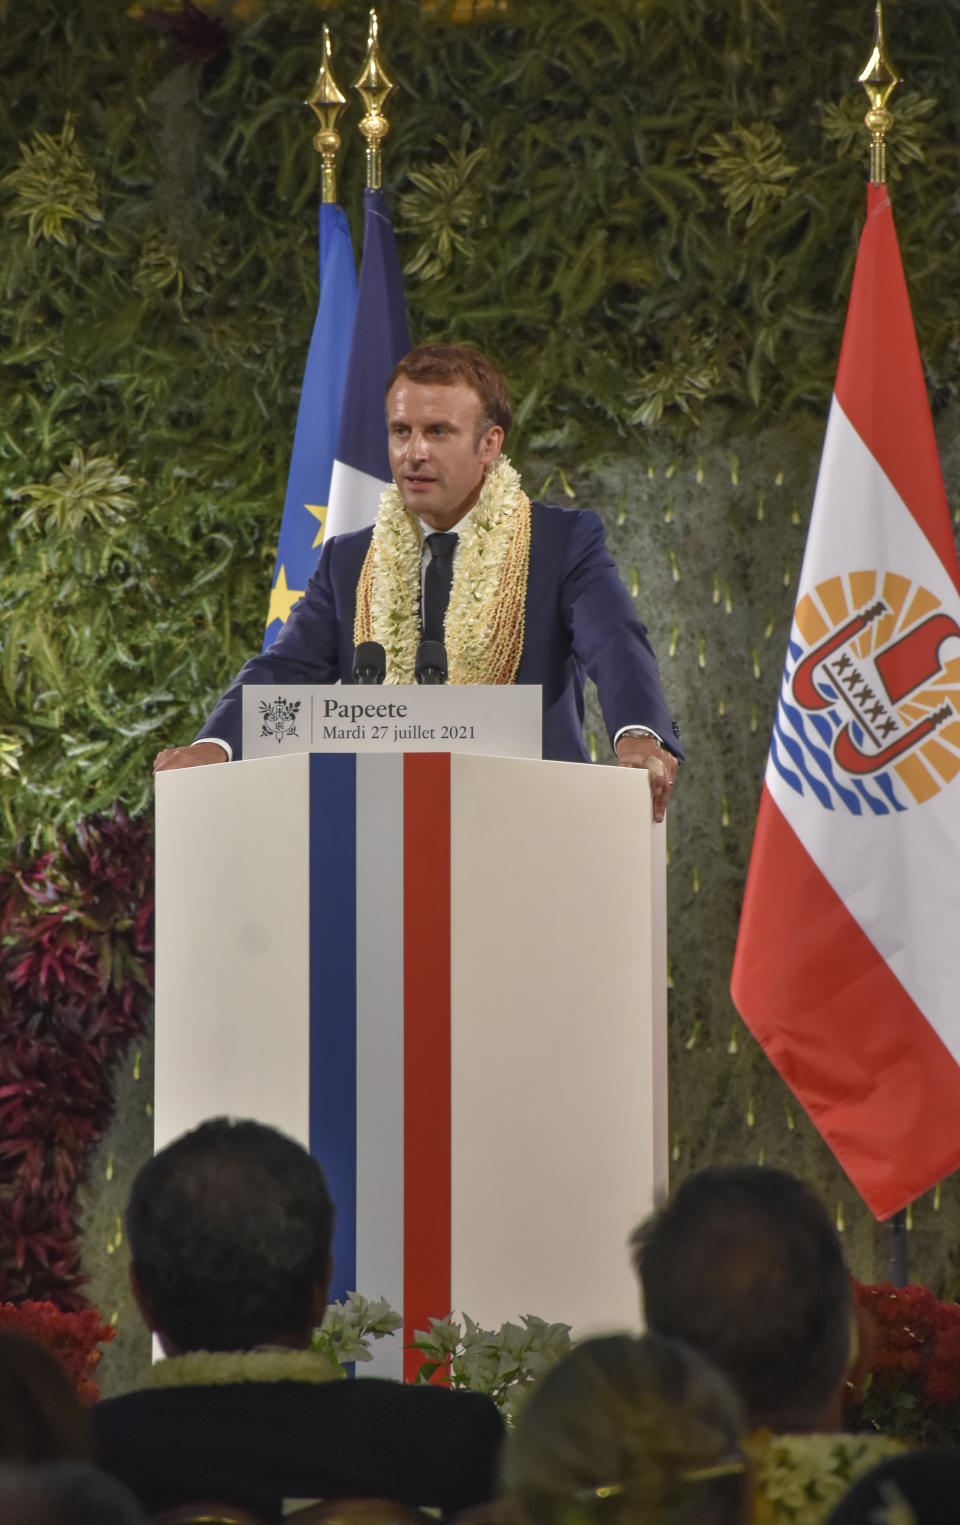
x=446 y=976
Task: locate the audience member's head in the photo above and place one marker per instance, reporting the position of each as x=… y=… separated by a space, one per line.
x=65 y=1493
x=41 y=1416
x=744 y=1264
x=918 y=1489
x=627 y=1431
x=229 y=1231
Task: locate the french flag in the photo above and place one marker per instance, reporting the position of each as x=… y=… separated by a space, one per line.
x=381 y=337
x=847 y=965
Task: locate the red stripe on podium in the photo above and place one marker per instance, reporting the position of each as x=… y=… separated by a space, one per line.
x=426 y=1059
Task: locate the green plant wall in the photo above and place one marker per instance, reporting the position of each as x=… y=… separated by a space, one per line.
x=646 y=210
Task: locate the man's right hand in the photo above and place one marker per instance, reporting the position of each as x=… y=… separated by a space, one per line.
x=197 y=756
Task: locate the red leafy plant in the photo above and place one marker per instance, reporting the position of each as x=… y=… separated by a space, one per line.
x=74 y=1338
x=912 y=1390
x=76 y=972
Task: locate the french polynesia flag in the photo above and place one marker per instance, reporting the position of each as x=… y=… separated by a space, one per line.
x=847 y=966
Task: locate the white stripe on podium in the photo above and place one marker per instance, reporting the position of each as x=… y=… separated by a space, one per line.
x=380 y=1044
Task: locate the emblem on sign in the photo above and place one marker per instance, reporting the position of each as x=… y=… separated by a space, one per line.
x=279 y=718
x=869 y=713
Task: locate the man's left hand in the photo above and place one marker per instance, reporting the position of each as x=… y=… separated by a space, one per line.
x=646 y=752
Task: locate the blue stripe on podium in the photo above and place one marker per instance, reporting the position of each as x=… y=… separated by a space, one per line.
x=333 y=998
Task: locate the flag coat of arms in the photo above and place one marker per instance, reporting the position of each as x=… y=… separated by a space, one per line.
x=847 y=967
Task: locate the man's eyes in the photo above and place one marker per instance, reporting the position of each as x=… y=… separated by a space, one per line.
x=400 y=431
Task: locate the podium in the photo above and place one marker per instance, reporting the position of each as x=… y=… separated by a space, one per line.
x=445 y=975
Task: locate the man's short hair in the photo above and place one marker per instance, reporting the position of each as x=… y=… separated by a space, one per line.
x=229 y=1231
x=446 y=364
x=744 y=1264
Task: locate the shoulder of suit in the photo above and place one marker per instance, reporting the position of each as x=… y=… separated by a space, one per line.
x=351 y=539
x=548 y=518
x=345 y=553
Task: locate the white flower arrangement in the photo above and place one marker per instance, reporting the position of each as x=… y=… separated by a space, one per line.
x=504 y=1362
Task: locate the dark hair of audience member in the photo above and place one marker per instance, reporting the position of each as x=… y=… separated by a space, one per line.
x=744 y=1264
x=627 y=1431
x=448 y=364
x=922 y=1487
x=229 y=1230
x=65 y=1493
x=42 y=1417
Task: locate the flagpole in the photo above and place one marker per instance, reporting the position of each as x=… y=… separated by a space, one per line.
x=374 y=86
x=327 y=102
x=381 y=333
x=321 y=395
x=879 y=79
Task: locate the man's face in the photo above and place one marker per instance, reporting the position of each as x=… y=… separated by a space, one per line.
x=436 y=459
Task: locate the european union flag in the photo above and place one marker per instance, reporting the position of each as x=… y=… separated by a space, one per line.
x=381 y=337
x=318 y=420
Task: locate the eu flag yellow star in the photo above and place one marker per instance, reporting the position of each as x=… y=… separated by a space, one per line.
x=282 y=598
x=319 y=512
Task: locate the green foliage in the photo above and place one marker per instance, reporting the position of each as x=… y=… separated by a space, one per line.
x=750 y=168
x=54 y=185
x=504 y=1363
x=444 y=207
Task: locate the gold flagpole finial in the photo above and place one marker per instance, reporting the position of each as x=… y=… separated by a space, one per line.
x=327 y=101
x=879 y=79
x=374 y=86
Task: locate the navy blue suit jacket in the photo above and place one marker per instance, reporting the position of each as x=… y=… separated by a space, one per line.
x=578 y=617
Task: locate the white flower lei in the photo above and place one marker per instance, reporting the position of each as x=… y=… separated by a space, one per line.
x=204 y=1368
x=486 y=535
x=799 y=1478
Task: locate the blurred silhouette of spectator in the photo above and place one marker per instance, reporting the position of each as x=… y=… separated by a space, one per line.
x=65 y=1493
x=41 y=1416
x=627 y=1431
x=922 y=1488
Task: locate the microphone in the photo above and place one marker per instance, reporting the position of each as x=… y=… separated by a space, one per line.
x=369 y=663
x=431 y=664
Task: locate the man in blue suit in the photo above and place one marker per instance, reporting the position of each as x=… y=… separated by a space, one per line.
x=519 y=592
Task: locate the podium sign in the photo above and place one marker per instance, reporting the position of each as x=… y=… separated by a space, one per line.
x=490 y=720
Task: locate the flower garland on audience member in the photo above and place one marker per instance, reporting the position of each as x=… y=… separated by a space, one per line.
x=214 y=1368
x=798 y=1479
x=483 y=632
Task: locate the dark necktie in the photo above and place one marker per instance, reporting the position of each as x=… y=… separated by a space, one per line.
x=436 y=584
